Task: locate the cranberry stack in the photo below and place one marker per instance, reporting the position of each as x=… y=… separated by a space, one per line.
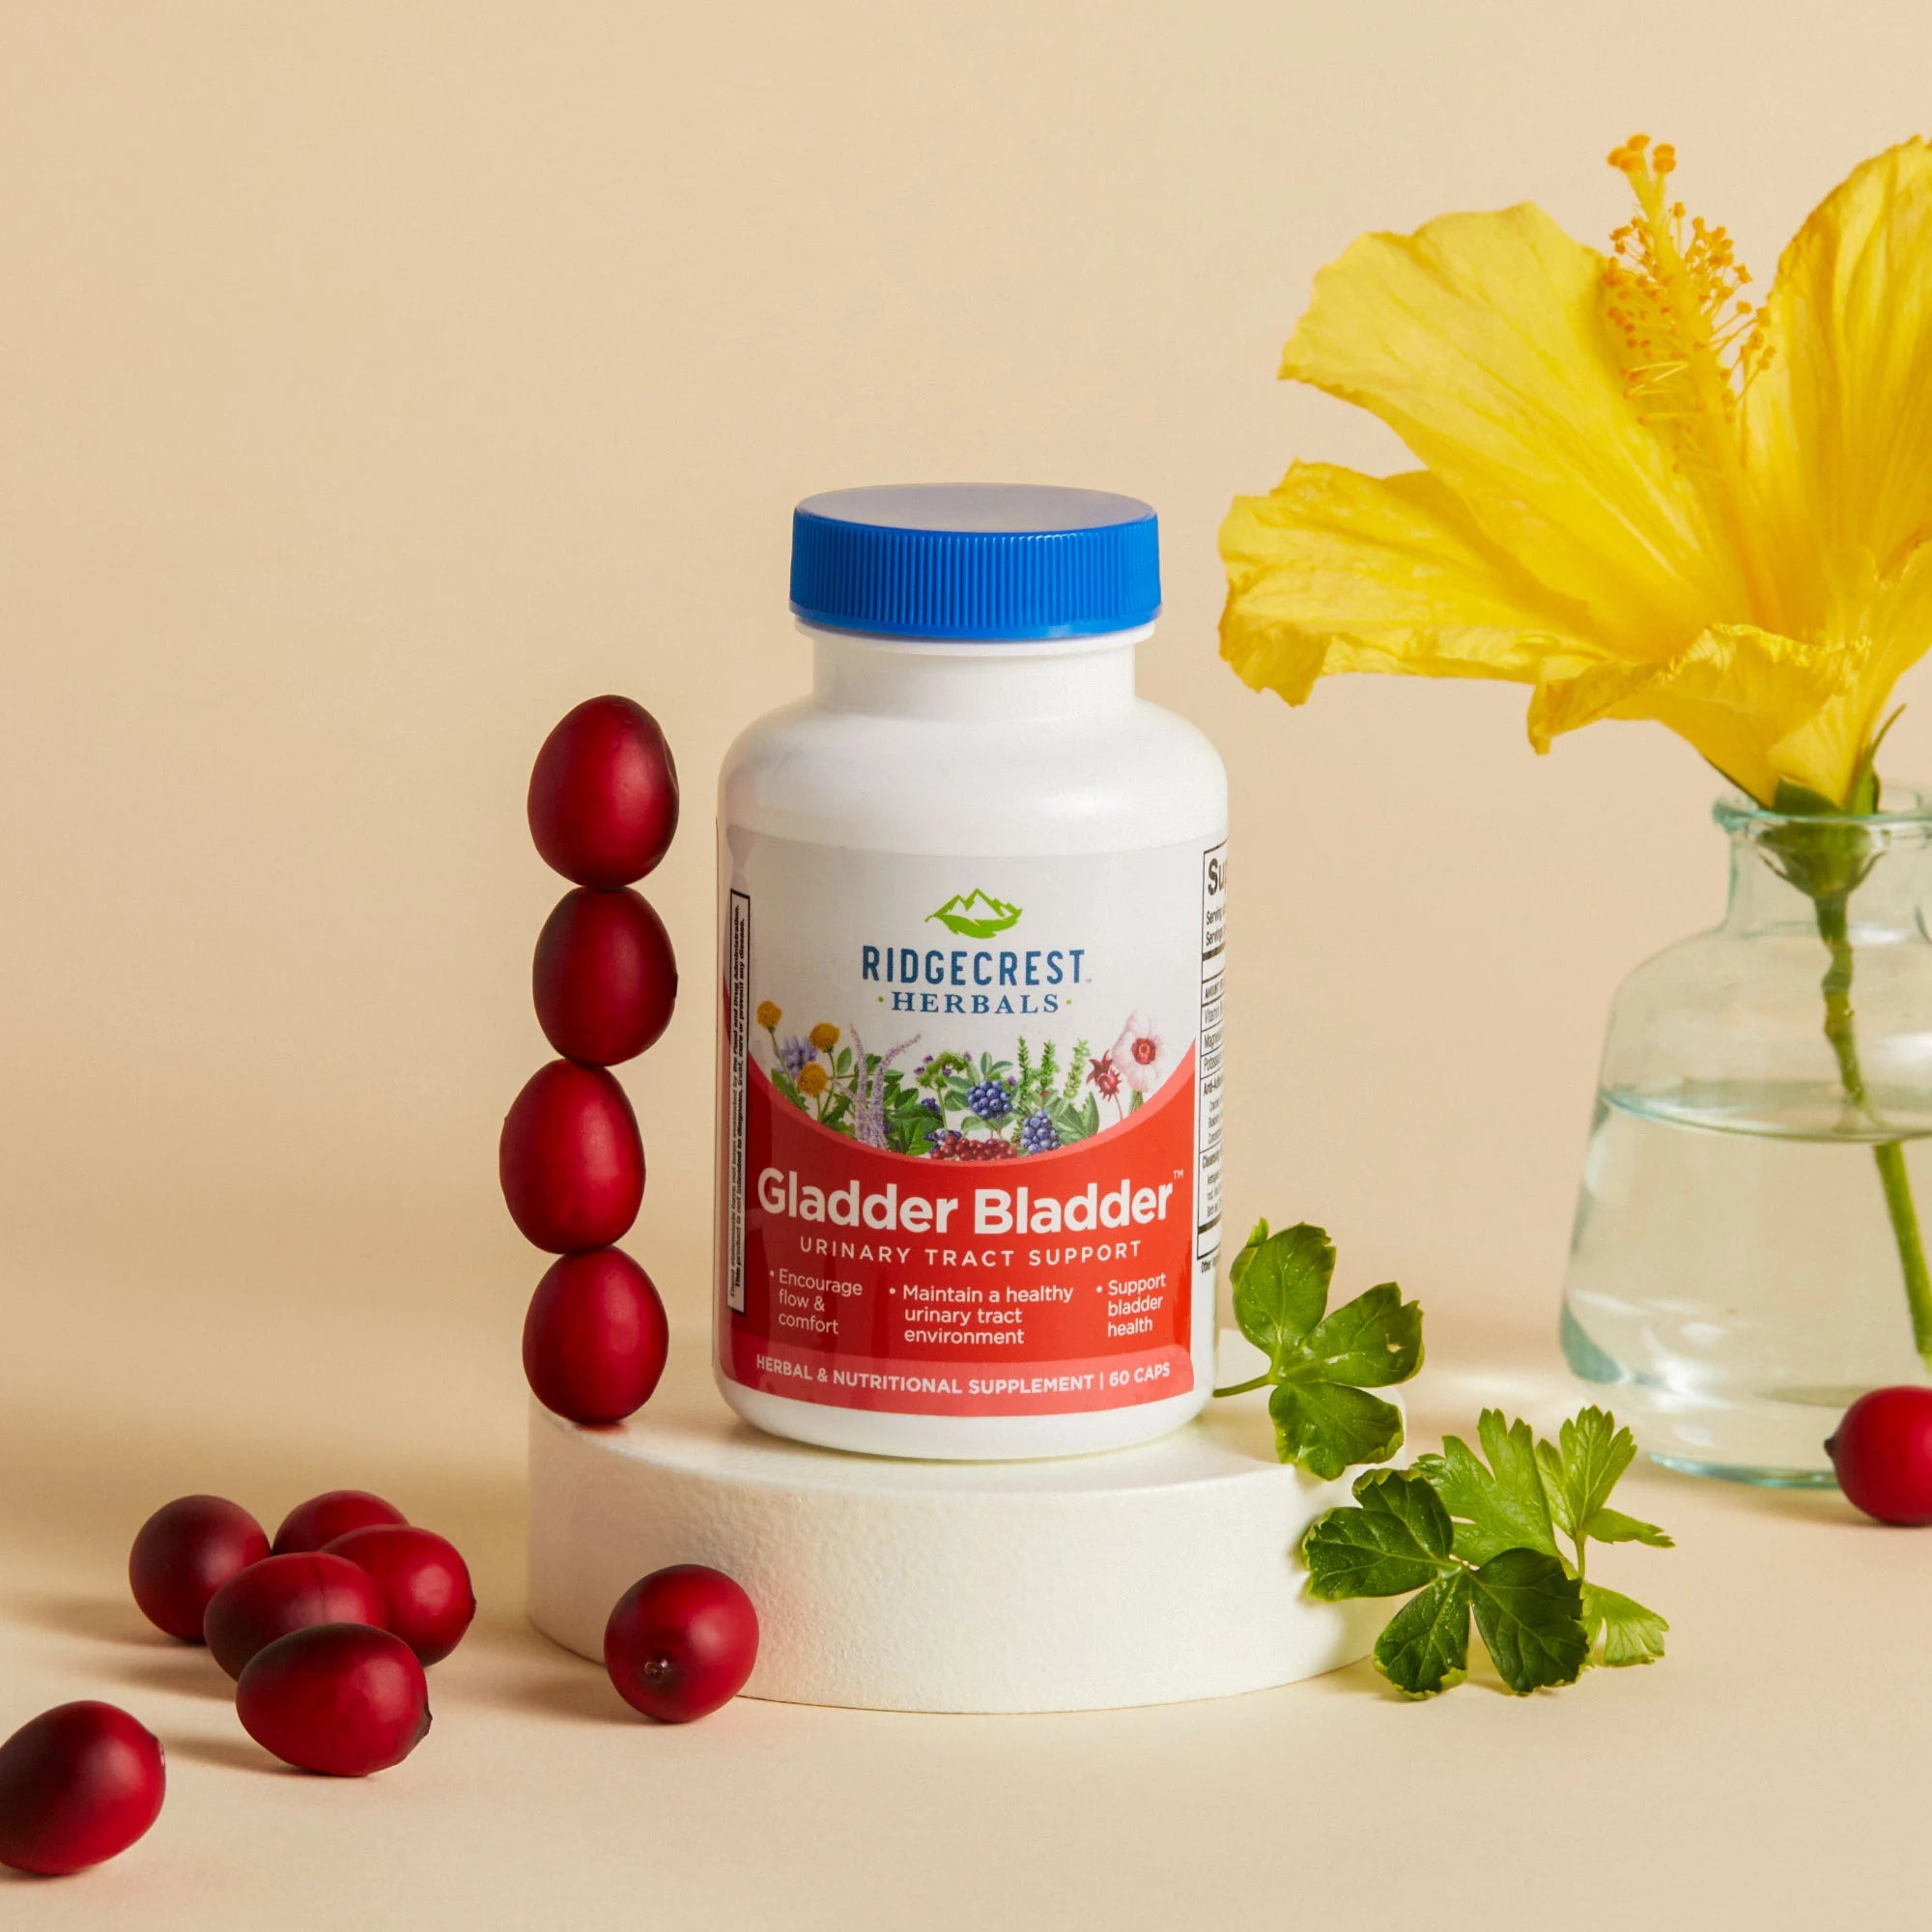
x=603 y=808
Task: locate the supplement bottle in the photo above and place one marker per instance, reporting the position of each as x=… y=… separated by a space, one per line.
x=971 y=937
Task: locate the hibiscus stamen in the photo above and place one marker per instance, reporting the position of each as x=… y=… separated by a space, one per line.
x=1692 y=343
x=1678 y=290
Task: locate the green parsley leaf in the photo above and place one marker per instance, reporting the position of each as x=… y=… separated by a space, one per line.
x=1321 y=1364
x=1238 y=1267
x=1501 y=1506
x=1530 y=1613
x=1425 y=1646
x=1368 y=1343
x=1621 y=1631
x=1581 y=1470
x=1280 y=1285
x=1396 y=1540
x=1610 y=1526
x=1477 y=1537
x=1328 y=1426
x=1582 y=1466
x=1399 y=1539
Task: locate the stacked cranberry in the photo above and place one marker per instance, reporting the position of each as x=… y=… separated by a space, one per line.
x=603 y=808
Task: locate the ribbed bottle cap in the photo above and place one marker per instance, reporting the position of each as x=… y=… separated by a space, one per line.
x=974 y=562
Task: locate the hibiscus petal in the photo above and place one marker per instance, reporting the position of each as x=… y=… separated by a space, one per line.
x=1481 y=340
x=1838 y=427
x=1336 y=571
x=1746 y=698
x=1895 y=631
x=1761 y=707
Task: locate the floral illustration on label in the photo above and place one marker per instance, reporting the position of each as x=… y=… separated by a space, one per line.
x=958 y=1106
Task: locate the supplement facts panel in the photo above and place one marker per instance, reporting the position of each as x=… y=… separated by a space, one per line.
x=1213 y=961
x=738 y=1020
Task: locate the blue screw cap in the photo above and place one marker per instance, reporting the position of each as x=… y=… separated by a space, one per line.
x=975 y=562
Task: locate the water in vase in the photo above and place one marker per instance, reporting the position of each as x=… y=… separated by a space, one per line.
x=1733 y=1269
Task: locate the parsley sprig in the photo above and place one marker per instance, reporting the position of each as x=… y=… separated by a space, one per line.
x=1322 y=1365
x=1463 y=1538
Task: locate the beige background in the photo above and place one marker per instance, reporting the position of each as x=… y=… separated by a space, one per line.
x=377 y=380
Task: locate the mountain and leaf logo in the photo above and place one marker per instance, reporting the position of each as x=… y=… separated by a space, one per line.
x=976 y=915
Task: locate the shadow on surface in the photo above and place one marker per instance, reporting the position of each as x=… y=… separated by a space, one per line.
x=227 y=1754
x=137 y=1657
x=1352 y=1679
x=106 y=1619
x=1796 y=1503
x=1366 y=1684
x=189 y=1674
x=546 y=1680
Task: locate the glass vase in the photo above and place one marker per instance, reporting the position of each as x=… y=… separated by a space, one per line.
x=1747 y=1257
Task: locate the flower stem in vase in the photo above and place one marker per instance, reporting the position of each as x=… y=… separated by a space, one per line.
x=1841 y=1028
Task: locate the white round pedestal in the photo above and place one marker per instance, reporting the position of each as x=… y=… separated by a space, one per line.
x=1144 y=1575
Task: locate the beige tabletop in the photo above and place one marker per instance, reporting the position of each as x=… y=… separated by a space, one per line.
x=377 y=380
x=1771 y=1772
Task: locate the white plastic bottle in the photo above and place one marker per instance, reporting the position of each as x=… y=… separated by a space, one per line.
x=971 y=899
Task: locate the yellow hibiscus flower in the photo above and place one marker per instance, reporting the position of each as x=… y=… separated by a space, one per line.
x=1640 y=496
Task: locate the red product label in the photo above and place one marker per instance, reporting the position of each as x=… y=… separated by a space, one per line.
x=1041 y=1284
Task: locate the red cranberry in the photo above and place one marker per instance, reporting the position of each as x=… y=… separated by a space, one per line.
x=681 y=1643
x=282 y=1594
x=184 y=1554
x=78 y=1784
x=595 y=1338
x=1883 y=1453
x=605 y=978
x=340 y=1698
x=603 y=800
x=424 y=1584
x=318 y=1522
x=570 y=1160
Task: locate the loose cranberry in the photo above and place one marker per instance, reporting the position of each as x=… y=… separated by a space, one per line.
x=184 y=1554
x=287 y=1593
x=570 y=1160
x=424 y=1584
x=681 y=1643
x=1883 y=1453
x=340 y=1698
x=604 y=978
x=78 y=1784
x=318 y=1522
x=595 y=1338
x=603 y=800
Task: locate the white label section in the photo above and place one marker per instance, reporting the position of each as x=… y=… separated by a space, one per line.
x=932 y=1006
